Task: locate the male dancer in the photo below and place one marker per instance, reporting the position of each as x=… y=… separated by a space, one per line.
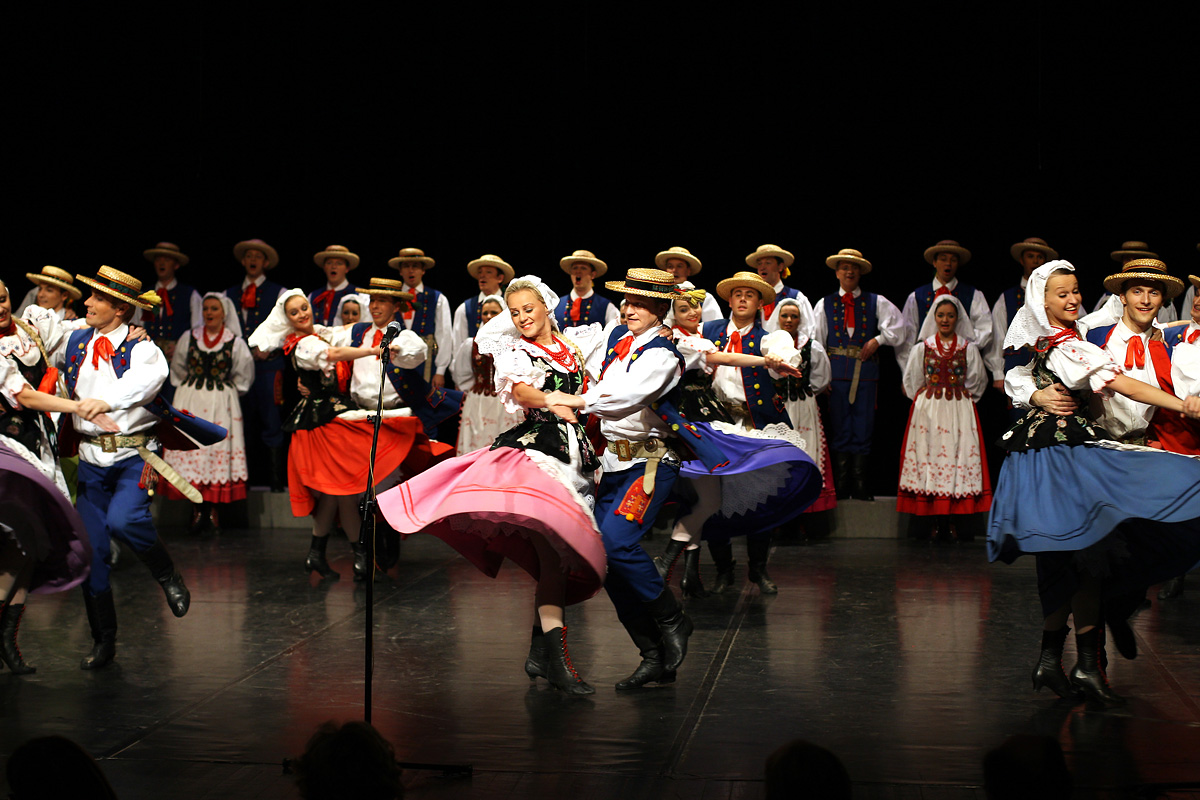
x=335 y=261
x=851 y=325
x=774 y=266
x=118 y=377
x=1030 y=254
x=428 y=316
x=1127 y=252
x=180 y=303
x=583 y=306
x=491 y=273
x=680 y=262
x=255 y=296
x=946 y=257
x=56 y=291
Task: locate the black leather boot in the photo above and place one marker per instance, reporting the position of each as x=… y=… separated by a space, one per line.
x=858 y=477
x=665 y=564
x=390 y=556
x=537 y=664
x=10 y=653
x=757 y=549
x=362 y=562
x=1171 y=589
x=691 y=584
x=722 y=556
x=1087 y=675
x=645 y=634
x=315 y=562
x=163 y=569
x=1049 y=670
x=841 y=474
x=561 y=672
x=102 y=618
x=675 y=626
x=278 y=469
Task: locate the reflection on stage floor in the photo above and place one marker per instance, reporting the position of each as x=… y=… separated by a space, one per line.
x=907 y=660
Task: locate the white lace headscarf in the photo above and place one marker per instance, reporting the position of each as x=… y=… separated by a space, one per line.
x=1030 y=323
x=364 y=306
x=499 y=334
x=233 y=320
x=963 y=328
x=276 y=327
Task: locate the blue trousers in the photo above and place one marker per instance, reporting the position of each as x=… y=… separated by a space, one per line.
x=632 y=578
x=851 y=426
x=111 y=504
x=258 y=405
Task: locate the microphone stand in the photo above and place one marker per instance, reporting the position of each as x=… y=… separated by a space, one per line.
x=366 y=535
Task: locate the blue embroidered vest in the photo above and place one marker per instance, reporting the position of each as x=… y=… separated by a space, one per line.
x=318 y=309
x=964 y=292
x=159 y=325
x=866 y=327
x=431 y=406
x=696 y=440
x=593 y=309
x=473 y=319
x=424 y=315
x=769 y=308
x=765 y=406
x=265 y=299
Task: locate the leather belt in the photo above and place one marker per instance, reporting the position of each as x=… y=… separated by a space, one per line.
x=852 y=351
x=111 y=442
x=653 y=450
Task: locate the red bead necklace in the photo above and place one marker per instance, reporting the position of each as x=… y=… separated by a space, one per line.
x=937 y=341
x=565 y=358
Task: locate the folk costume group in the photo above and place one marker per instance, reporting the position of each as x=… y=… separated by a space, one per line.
x=585 y=420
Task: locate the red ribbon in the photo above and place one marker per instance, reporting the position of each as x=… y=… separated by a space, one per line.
x=250 y=296
x=575 y=310
x=848 y=307
x=102 y=349
x=941 y=292
x=1135 y=353
x=289 y=344
x=1193 y=336
x=622 y=347
x=375 y=340
x=735 y=342
x=166 y=302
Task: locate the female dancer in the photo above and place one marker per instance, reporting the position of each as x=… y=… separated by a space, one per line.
x=529 y=497
x=484 y=417
x=943 y=464
x=698 y=402
x=352 y=309
x=212 y=367
x=800 y=397
x=1055 y=496
x=325 y=478
x=43 y=543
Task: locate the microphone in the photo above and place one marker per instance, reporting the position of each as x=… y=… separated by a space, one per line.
x=391 y=332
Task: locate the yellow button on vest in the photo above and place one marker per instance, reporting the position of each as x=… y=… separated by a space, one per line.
x=756 y=386
x=760 y=402
x=675 y=427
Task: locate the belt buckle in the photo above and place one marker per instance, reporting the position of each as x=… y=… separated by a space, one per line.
x=624 y=450
x=650 y=445
x=108 y=443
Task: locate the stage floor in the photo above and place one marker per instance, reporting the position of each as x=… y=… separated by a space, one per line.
x=907 y=660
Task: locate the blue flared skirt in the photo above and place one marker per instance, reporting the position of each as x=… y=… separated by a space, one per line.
x=1058 y=501
x=766 y=482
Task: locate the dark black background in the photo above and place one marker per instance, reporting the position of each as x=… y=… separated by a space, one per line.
x=529 y=130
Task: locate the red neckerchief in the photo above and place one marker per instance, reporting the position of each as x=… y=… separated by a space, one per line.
x=1193 y=336
x=250 y=296
x=325 y=297
x=103 y=349
x=622 y=347
x=848 y=306
x=166 y=302
x=735 y=343
x=1135 y=353
x=574 y=312
x=941 y=292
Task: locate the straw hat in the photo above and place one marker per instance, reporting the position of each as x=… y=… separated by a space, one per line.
x=491 y=261
x=646 y=282
x=124 y=288
x=749 y=280
x=1134 y=249
x=387 y=286
x=587 y=257
x=1150 y=269
x=1195 y=279
x=851 y=255
x=166 y=249
x=408 y=255
x=336 y=251
x=948 y=246
x=56 y=278
x=240 y=248
x=1033 y=243
x=770 y=250
x=682 y=253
